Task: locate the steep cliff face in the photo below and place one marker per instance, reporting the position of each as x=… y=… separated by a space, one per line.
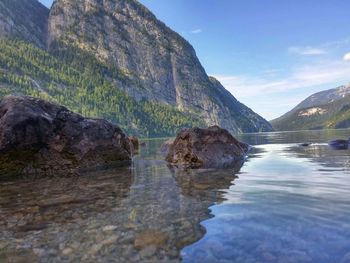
x=160 y=65
x=24 y=19
x=136 y=53
x=232 y=112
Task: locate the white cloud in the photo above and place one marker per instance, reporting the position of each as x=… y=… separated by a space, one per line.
x=312 y=75
x=307 y=51
x=272 y=96
x=347 y=57
x=337 y=43
x=196 y=31
x=272 y=92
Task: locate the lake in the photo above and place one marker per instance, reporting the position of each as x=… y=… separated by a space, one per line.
x=287 y=203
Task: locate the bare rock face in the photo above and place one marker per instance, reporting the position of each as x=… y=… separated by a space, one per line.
x=206 y=148
x=154 y=63
x=24 y=19
x=40 y=137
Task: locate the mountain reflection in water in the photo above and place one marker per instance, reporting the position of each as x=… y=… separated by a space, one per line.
x=148 y=212
x=287 y=203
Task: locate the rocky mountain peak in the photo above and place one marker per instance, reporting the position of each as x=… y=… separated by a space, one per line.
x=324 y=97
x=128 y=36
x=161 y=65
x=138 y=54
x=325 y=109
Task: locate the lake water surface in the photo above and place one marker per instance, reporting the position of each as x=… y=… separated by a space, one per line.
x=287 y=203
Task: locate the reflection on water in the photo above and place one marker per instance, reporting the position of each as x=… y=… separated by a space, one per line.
x=320 y=136
x=145 y=213
x=286 y=204
x=290 y=204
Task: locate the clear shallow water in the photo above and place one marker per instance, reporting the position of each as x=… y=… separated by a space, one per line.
x=286 y=204
x=290 y=204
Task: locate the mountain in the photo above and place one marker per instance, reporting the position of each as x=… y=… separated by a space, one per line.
x=121 y=53
x=325 y=97
x=322 y=110
x=24 y=19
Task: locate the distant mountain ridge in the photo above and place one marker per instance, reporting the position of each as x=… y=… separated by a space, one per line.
x=134 y=51
x=326 y=96
x=325 y=109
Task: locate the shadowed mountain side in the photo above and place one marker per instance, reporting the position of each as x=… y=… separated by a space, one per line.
x=24 y=19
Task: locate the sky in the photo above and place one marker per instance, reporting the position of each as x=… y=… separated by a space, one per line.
x=270 y=54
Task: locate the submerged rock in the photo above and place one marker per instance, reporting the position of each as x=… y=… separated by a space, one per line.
x=339 y=144
x=206 y=148
x=37 y=136
x=151 y=237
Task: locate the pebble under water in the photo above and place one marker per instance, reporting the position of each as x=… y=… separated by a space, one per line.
x=287 y=203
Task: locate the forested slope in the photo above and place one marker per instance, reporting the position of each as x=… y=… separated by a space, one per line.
x=77 y=80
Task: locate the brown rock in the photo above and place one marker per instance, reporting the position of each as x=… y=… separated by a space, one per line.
x=150 y=238
x=67 y=251
x=135 y=144
x=206 y=148
x=41 y=137
x=166 y=146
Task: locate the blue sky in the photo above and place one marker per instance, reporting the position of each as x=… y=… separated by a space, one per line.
x=46 y=2
x=270 y=54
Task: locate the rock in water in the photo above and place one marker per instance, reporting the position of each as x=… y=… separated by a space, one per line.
x=305 y=144
x=135 y=144
x=339 y=144
x=206 y=148
x=166 y=146
x=37 y=136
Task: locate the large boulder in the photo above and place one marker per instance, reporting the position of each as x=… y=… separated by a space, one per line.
x=206 y=148
x=37 y=136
